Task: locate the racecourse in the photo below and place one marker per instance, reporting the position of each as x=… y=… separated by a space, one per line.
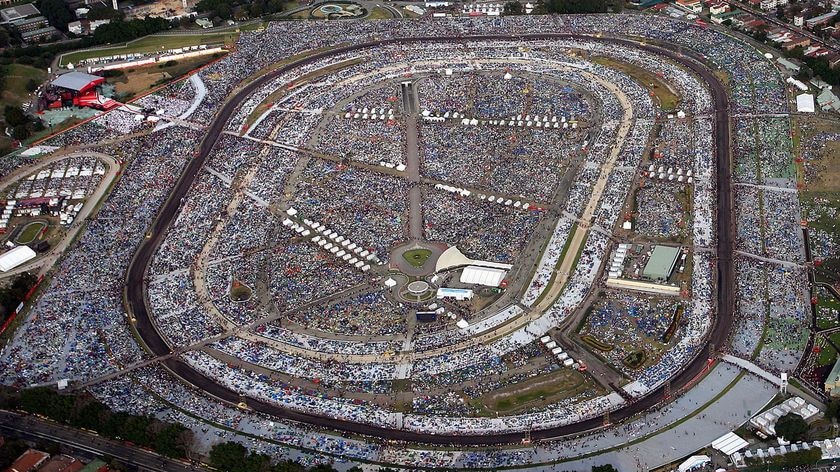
x=136 y=283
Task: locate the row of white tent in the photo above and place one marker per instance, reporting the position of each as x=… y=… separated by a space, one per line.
x=60 y=172
x=617 y=262
x=399 y=167
x=830 y=449
x=557 y=352
x=76 y=194
x=766 y=421
x=366 y=116
x=490 y=198
x=7 y=213
x=370 y=114
x=670 y=175
x=332 y=242
x=518 y=121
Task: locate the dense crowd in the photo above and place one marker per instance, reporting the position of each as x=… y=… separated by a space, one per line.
x=308 y=300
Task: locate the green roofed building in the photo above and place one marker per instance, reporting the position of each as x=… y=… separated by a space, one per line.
x=661 y=263
x=832 y=382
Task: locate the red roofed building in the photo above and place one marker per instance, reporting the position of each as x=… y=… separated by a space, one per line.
x=28 y=461
x=76 y=88
x=62 y=463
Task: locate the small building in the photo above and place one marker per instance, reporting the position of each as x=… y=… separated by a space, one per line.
x=62 y=463
x=768 y=5
x=796 y=42
x=832 y=382
x=40 y=35
x=661 y=264
x=85 y=26
x=789 y=65
x=691 y=5
x=820 y=20
x=25 y=25
x=18 y=12
x=719 y=8
x=29 y=461
x=459 y=294
x=828 y=101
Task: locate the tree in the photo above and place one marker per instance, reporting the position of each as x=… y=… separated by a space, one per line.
x=797 y=459
x=170 y=443
x=833 y=408
x=10 y=451
x=14 y=116
x=227 y=456
x=791 y=427
x=288 y=466
x=576 y=6
x=57 y=13
x=322 y=468
x=604 y=468
x=513 y=8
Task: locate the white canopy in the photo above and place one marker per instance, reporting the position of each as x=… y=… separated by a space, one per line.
x=729 y=443
x=15 y=257
x=482 y=276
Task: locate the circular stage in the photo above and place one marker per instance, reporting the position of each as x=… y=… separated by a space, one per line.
x=418 y=287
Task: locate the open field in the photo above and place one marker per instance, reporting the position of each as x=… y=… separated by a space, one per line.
x=537 y=391
x=667 y=98
x=379 y=13
x=152 y=44
x=30 y=232
x=141 y=79
x=17 y=76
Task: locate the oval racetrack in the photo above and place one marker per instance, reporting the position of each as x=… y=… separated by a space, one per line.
x=135 y=289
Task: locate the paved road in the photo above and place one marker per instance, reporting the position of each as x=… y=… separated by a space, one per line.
x=136 y=283
x=33 y=429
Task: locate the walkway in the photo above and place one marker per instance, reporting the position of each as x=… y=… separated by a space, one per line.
x=749 y=366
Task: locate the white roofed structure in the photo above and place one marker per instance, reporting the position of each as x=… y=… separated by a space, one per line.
x=729 y=443
x=15 y=257
x=487 y=276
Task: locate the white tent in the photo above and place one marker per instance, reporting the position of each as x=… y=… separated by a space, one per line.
x=805 y=103
x=694 y=462
x=729 y=443
x=15 y=257
x=482 y=276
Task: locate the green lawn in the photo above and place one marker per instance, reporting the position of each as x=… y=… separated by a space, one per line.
x=379 y=13
x=151 y=44
x=17 y=76
x=417 y=257
x=667 y=99
x=30 y=232
x=534 y=391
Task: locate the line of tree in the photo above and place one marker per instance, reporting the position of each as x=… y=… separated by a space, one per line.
x=226 y=9
x=12 y=294
x=83 y=411
x=120 y=31
x=57 y=13
x=22 y=126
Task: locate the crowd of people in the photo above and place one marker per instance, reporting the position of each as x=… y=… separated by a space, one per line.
x=327 y=306
x=82 y=311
